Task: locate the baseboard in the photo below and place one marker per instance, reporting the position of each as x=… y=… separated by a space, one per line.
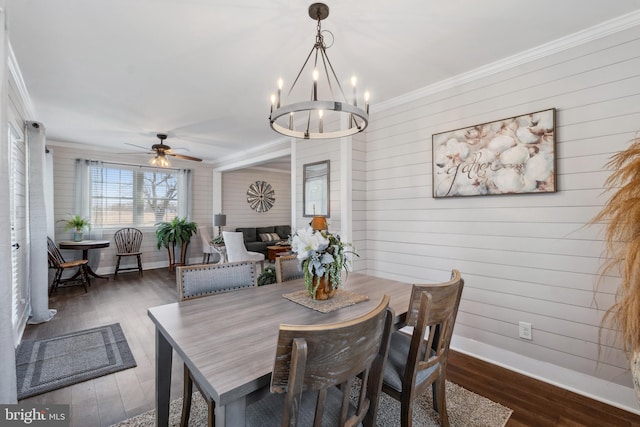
x=110 y=269
x=577 y=382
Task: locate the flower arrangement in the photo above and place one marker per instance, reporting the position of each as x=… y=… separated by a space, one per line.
x=323 y=255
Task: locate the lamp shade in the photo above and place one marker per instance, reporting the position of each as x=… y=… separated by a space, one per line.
x=219 y=220
x=319 y=223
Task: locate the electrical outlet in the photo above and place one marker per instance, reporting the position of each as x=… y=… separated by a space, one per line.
x=525 y=331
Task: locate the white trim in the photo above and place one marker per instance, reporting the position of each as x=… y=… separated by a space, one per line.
x=16 y=74
x=268 y=151
x=294 y=181
x=274 y=170
x=601 y=30
x=250 y=161
x=577 y=382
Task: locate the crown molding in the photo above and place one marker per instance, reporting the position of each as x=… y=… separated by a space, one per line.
x=598 y=31
x=23 y=92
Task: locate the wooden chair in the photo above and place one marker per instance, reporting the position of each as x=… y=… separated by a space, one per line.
x=420 y=359
x=311 y=360
x=288 y=268
x=195 y=281
x=128 y=241
x=56 y=260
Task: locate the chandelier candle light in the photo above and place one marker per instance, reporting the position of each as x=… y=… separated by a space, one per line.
x=333 y=117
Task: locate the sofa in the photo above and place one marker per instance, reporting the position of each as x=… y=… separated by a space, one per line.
x=256 y=239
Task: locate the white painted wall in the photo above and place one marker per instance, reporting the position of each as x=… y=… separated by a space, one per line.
x=234 y=198
x=524 y=257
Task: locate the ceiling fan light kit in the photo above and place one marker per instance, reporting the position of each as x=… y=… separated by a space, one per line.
x=335 y=116
x=162 y=151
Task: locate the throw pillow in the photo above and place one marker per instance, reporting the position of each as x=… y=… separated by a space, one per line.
x=269 y=237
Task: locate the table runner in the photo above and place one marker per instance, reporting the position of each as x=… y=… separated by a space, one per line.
x=340 y=299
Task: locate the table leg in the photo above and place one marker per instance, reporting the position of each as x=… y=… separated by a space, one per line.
x=90 y=272
x=231 y=414
x=164 y=355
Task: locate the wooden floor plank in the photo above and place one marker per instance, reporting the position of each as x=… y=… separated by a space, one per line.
x=127 y=393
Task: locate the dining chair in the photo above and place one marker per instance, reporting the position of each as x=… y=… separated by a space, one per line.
x=418 y=360
x=288 y=268
x=128 y=241
x=207 y=247
x=312 y=360
x=236 y=250
x=195 y=281
x=57 y=262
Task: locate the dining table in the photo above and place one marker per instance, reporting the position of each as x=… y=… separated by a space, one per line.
x=228 y=341
x=85 y=246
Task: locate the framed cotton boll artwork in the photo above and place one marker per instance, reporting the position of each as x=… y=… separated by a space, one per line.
x=509 y=156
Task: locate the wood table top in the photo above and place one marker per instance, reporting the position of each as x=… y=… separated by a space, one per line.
x=84 y=244
x=228 y=340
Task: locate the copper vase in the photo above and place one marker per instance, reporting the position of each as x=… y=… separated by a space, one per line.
x=322 y=285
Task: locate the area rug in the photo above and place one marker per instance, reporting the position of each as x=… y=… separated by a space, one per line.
x=51 y=363
x=465 y=409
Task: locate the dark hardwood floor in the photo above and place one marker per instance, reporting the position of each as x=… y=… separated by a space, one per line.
x=112 y=398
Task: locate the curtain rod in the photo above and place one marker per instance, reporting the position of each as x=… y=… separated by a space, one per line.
x=139 y=166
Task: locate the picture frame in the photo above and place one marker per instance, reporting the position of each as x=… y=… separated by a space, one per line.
x=515 y=155
x=316 y=188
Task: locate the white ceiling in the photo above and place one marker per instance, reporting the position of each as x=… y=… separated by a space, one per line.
x=116 y=72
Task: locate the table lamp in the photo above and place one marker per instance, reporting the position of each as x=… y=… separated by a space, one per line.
x=219 y=220
x=319 y=223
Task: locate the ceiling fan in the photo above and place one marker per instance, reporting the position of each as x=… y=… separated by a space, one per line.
x=162 y=151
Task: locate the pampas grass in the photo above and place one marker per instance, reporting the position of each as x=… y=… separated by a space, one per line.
x=622 y=243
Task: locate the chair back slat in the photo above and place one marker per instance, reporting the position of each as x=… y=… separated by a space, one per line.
x=128 y=240
x=317 y=357
x=54 y=255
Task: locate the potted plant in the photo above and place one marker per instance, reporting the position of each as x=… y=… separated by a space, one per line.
x=323 y=256
x=267 y=277
x=177 y=232
x=218 y=241
x=77 y=223
x=621 y=216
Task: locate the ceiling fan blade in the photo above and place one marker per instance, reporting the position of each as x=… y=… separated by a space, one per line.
x=138 y=146
x=182 y=156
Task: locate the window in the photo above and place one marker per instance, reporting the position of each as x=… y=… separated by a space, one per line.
x=132 y=196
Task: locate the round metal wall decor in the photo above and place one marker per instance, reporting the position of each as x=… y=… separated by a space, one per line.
x=261 y=196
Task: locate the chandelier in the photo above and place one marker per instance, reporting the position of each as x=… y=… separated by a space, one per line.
x=333 y=116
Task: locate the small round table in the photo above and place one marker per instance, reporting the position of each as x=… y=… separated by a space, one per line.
x=84 y=246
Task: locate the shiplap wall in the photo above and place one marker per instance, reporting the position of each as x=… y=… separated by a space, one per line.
x=331 y=149
x=64 y=170
x=234 y=199
x=524 y=257
x=308 y=151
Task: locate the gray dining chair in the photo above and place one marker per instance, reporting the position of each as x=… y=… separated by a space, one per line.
x=196 y=281
x=288 y=268
x=418 y=360
x=315 y=368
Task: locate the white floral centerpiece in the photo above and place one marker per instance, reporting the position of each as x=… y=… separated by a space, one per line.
x=323 y=257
